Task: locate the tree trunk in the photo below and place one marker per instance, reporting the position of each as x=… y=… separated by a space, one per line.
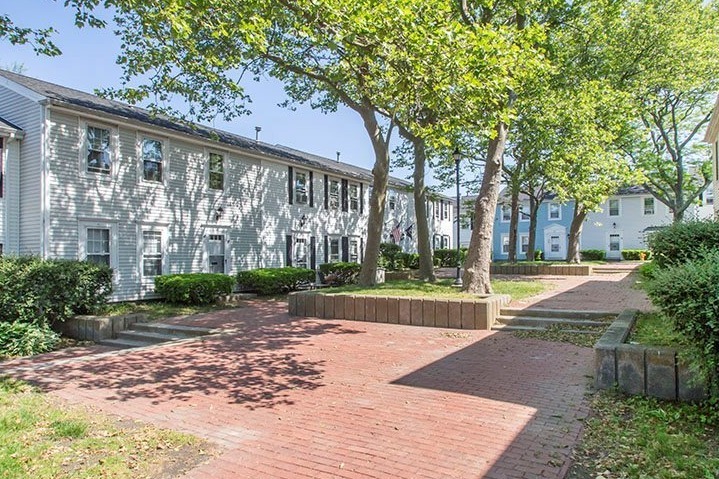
x=513 y=224
x=426 y=264
x=533 y=212
x=375 y=222
x=479 y=255
x=575 y=234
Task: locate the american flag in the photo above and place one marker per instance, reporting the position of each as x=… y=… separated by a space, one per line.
x=396 y=233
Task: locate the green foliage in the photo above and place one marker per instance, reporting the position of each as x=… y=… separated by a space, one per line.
x=194 y=288
x=648 y=270
x=390 y=256
x=340 y=273
x=538 y=255
x=409 y=260
x=682 y=242
x=689 y=295
x=39 y=291
x=593 y=255
x=656 y=329
x=267 y=281
x=25 y=339
x=447 y=258
x=636 y=254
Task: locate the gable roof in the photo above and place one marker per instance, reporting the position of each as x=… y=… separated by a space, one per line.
x=712 y=133
x=64 y=96
x=10 y=129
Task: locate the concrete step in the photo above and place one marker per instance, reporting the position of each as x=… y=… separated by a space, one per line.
x=555 y=313
x=174 y=330
x=512 y=327
x=125 y=343
x=148 y=337
x=612 y=271
x=545 y=322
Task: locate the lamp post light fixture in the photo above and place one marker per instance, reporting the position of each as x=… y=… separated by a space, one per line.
x=457 y=155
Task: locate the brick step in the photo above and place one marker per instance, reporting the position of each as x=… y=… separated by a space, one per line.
x=545 y=322
x=124 y=343
x=556 y=313
x=174 y=330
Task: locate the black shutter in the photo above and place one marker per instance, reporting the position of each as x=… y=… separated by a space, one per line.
x=361 y=250
x=288 y=250
x=312 y=191
x=361 y=198
x=327 y=192
x=290 y=186
x=313 y=258
x=344 y=195
x=327 y=249
x=345 y=249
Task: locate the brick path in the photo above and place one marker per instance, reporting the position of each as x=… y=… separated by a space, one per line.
x=342 y=399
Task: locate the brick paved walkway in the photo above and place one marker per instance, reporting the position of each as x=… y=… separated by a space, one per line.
x=342 y=399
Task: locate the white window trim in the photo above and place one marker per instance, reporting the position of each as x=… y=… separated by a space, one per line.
x=114 y=149
x=306 y=238
x=523 y=215
x=504 y=238
x=206 y=167
x=392 y=201
x=354 y=240
x=83 y=226
x=308 y=188
x=521 y=236
x=609 y=242
x=501 y=213
x=549 y=212
x=338 y=206
x=140 y=249
x=644 y=208
x=141 y=137
x=609 y=208
x=350 y=185
x=330 y=238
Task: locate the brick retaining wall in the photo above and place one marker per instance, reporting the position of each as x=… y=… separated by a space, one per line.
x=477 y=313
x=542 y=269
x=642 y=370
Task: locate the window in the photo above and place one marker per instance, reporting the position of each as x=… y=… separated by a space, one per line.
x=301 y=197
x=614 y=242
x=555 y=211
x=334 y=194
x=216 y=171
x=151 y=159
x=445 y=209
x=554 y=244
x=648 y=206
x=392 y=201
x=506 y=213
x=523 y=215
x=97 y=246
x=435 y=206
x=98 y=158
x=524 y=243
x=708 y=196
x=445 y=242
x=300 y=256
x=354 y=197
x=216 y=253
x=151 y=253
x=334 y=246
x=354 y=251
x=614 y=207
x=505 y=244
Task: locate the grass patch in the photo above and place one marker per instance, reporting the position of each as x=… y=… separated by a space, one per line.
x=636 y=437
x=160 y=309
x=655 y=329
x=558 y=333
x=440 y=289
x=40 y=438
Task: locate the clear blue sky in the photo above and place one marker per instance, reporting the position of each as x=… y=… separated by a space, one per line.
x=88 y=62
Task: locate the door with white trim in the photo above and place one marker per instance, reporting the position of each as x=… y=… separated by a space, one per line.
x=555 y=242
x=614 y=245
x=216 y=253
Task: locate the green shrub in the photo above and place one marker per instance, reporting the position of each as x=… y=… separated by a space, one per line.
x=24 y=339
x=682 y=242
x=267 y=281
x=538 y=255
x=339 y=274
x=194 y=288
x=390 y=256
x=689 y=295
x=409 y=260
x=39 y=291
x=447 y=258
x=593 y=255
x=648 y=270
x=636 y=254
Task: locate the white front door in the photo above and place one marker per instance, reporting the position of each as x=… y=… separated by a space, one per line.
x=614 y=245
x=555 y=243
x=216 y=253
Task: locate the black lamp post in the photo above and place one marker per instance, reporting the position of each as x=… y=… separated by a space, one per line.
x=457 y=157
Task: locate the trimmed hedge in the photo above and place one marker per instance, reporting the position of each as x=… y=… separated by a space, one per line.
x=689 y=295
x=390 y=257
x=409 y=260
x=33 y=290
x=636 y=254
x=24 y=339
x=338 y=274
x=267 y=281
x=193 y=288
x=593 y=255
x=447 y=258
x=682 y=242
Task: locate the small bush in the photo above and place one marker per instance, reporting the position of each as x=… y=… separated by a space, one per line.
x=447 y=258
x=194 y=288
x=689 y=295
x=339 y=274
x=593 y=255
x=682 y=242
x=409 y=260
x=648 y=270
x=33 y=290
x=636 y=254
x=268 y=281
x=538 y=255
x=390 y=256
x=25 y=339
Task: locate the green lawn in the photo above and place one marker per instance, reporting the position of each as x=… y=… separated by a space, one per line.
x=42 y=438
x=440 y=289
x=654 y=329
